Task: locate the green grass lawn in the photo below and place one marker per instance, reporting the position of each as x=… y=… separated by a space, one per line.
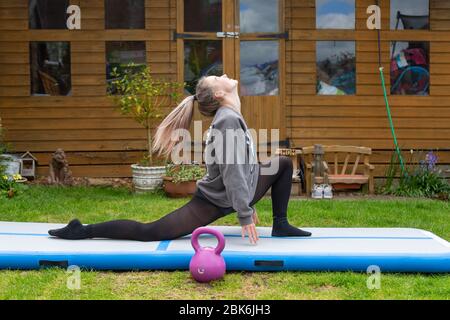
x=90 y=205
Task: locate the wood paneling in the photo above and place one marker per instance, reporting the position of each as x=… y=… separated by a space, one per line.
x=421 y=122
x=99 y=141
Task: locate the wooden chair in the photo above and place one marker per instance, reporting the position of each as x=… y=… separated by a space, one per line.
x=50 y=84
x=340 y=179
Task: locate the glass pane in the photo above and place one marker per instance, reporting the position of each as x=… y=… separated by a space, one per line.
x=252 y=12
x=48 y=14
x=410 y=68
x=121 y=53
x=202 y=16
x=411 y=14
x=336 y=67
x=50 y=68
x=201 y=58
x=259 y=68
x=124 y=14
x=335 y=14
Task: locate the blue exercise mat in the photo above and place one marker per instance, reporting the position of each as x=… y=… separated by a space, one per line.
x=28 y=246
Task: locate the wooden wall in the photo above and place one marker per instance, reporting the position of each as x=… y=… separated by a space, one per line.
x=100 y=142
x=421 y=122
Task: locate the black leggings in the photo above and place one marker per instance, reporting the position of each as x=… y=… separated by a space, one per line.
x=198 y=211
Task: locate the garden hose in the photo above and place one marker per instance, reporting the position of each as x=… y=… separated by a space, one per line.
x=386 y=100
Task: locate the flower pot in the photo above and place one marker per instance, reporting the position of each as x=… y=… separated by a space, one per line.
x=146 y=179
x=179 y=190
x=11 y=162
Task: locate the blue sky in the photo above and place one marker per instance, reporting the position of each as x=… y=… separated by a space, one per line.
x=335 y=14
x=334 y=6
x=253 y=12
x=253 y=52
x=243 y=6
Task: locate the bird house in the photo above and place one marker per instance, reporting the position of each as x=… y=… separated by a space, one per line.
x=28 y=165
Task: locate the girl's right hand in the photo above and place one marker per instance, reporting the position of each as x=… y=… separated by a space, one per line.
x=252 y=233
x=255 y=217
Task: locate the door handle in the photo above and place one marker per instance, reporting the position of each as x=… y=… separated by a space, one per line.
x=227 y=35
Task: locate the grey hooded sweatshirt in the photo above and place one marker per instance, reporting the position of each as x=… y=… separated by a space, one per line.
x=232 y=174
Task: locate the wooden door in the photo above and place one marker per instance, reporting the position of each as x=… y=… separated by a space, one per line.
x=260 y=64
x=244 y=39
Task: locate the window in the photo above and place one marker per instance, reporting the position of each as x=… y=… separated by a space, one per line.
x=410 y=68
x=259 y=68
x=335 y=14
x=202 y=16
x=124 y=14
x=201 y=58
x=50 y=68
x=336 y=67
x=252 y=12
x=121 y=53
x=47 y=14
x=411 y=14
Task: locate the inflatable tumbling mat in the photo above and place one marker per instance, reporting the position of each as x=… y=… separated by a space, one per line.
x=28 y=246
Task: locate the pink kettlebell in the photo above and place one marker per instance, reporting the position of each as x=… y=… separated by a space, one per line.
x=207 y=264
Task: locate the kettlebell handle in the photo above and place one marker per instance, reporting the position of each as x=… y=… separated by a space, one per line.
x=197 y=232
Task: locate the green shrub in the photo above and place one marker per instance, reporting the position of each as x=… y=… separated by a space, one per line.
x=422 y=177
x=424 y=184
x=184 y=172
x=136 y=93
x=9 y=186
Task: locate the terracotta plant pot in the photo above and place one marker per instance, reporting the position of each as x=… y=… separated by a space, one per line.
x=179 y=190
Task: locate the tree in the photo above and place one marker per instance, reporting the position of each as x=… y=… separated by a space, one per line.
x=139 y=95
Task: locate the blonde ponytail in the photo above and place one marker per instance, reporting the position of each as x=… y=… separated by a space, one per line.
x=181 y=117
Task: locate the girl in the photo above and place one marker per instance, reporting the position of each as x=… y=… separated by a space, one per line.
x=227 y=187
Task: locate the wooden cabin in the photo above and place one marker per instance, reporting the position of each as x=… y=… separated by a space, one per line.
x=306 y=67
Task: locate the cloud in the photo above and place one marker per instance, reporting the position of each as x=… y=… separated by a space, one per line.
x=335 y=6
x=322 y=2
x=336 y=21
x=253 y=52
x=253 y=12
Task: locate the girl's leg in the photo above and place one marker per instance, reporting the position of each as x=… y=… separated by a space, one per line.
x=180 y=222
x=281 y=184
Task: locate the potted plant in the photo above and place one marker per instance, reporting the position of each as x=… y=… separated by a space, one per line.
x=3 y=159
x=137 y=94
x=9 y=163
x=180 y=180
x=9 y=172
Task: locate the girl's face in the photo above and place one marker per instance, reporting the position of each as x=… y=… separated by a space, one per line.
x=223 y=83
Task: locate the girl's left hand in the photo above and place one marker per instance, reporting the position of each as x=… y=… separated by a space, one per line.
x=250 y=229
